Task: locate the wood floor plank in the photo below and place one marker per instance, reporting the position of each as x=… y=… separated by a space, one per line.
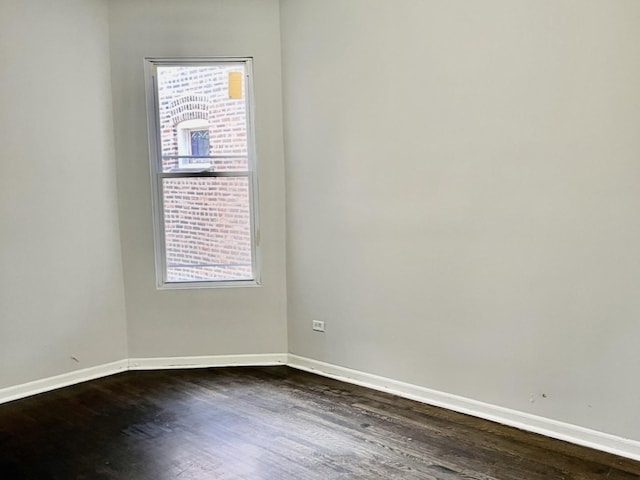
x=271 y=423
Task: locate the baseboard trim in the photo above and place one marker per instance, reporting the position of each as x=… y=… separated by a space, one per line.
x=64 y=380
x=78 y=376
x=162 y=363
x=513 y=418
x=551 y=428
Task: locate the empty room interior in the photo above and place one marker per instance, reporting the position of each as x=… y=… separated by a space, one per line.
x=415 y=255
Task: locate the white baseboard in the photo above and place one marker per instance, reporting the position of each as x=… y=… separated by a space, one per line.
x=51 y=383
x=259 y=360
x=513 y=418
x=524 y=421
x=64 y=380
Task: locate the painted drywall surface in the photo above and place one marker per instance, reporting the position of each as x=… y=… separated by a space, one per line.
x=462 y=198
x=61 y=288
x=207 y=321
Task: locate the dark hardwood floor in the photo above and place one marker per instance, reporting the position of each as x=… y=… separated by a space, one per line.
x=271 y=423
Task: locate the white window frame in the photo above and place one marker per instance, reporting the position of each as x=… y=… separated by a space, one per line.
x=184 y=130
x=157 y=175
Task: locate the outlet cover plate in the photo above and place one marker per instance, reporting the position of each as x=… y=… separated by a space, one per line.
x=317 y=325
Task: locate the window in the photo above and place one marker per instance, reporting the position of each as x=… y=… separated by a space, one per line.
x=203 y=172
x=199 y=142
x=194 y=145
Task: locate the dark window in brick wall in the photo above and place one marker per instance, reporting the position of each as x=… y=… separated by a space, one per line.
x=199 y=142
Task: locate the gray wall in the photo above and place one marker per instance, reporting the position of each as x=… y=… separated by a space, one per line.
x=463 y=201
x=61 y=290
x=207 y=321
x=461 y=180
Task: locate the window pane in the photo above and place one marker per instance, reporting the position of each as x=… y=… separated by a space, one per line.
x=200 y=143
x=203 y=98
x=207 y=229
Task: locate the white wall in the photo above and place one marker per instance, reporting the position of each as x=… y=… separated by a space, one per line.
x=208 y=321
x=61 y=289
x=463 y=201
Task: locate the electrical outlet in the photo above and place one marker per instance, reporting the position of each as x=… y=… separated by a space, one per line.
x=317 y=325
